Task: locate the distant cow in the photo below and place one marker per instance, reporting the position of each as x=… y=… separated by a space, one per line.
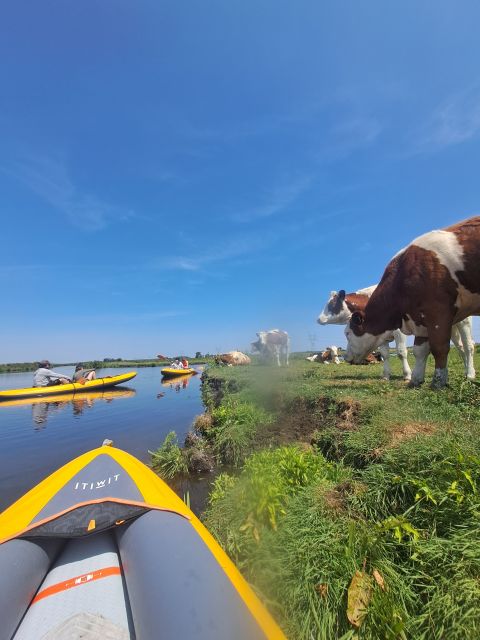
x=273 y=345
x=427 y=287
x=330 y=355
x=232 y=358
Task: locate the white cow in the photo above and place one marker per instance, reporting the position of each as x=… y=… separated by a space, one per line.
x=273 y=344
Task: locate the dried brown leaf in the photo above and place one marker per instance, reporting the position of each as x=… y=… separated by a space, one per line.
x=359 y=595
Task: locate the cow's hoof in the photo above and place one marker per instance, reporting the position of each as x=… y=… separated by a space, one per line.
x=439 y=380
x=415 y=384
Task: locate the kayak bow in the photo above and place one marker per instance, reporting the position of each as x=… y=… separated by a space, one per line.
x=104 y=544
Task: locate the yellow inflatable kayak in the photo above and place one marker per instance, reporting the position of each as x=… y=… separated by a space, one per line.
x=169 y=372
x=89 y=396
x=103 y=548
x=73 y=387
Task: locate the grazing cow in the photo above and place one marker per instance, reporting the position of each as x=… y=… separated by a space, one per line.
x=232 y=358
x=427 y=287
x=273 y=344
x=339 y=309
x=341 y=305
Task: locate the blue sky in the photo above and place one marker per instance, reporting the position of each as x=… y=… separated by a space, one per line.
x=176 y=176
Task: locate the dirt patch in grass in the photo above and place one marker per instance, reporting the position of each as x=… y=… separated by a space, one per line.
x=348 y=415
x=336 y=498
x=303 y=417
x=400 y=433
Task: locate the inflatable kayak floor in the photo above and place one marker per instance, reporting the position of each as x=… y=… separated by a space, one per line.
x=82 y=595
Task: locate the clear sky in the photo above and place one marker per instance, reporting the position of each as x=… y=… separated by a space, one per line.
x=175 y=176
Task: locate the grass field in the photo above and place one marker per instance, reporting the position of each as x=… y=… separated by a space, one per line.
x=350 y=503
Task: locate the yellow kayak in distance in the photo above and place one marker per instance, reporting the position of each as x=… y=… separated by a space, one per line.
x=170 y=372
x=107 y=395
x=71 y=387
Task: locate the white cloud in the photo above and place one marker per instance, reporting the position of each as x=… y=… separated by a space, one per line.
x=223 y=250
x=49 y=178
x=277 y=200
x=453 y=122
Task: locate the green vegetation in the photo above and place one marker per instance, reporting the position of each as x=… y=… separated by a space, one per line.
x=168 y=460
x=353 y=504
x=18 y=367
x=234 y=427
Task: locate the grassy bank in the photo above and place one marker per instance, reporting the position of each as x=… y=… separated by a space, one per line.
x=351 y=504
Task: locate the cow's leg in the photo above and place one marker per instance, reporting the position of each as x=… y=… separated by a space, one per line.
x=458 y=342
x=421 y=349
x=384 y=350
x=277 y=353
x=465 y=330
x=287 y=354
x=439 y=338
x=401 y=345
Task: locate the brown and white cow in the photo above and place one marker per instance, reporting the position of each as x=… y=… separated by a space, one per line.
x=330 y=355
x=341 y=305
x=339 y=309
x=273 y=344
x=427 y=287
x=232 y=358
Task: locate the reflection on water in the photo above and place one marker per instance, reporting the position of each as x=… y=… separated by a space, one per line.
x=175 y=384
x=38 y=435
x=42 y=408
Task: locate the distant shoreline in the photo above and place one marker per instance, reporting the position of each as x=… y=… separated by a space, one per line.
x=25 y=367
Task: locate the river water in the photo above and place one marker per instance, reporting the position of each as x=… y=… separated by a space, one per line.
x=38 y=436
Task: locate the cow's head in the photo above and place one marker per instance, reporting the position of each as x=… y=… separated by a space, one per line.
x=359 y=342
x=259 y=345
x=336 y=310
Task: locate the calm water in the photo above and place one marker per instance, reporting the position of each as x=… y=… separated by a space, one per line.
x=37 y=437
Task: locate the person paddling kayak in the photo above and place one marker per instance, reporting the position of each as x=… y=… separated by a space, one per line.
x=45 y=377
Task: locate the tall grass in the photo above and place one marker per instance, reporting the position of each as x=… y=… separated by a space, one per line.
x=396 y=495
x=169 y=460
x=235 y=426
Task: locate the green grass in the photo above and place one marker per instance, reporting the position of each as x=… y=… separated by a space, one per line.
x=377 y=478
x=169 y=459
x=234 y=427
